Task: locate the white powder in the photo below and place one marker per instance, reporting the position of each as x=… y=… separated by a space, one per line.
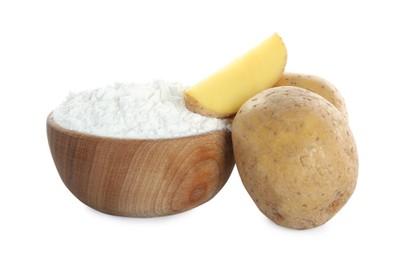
x=139 y=111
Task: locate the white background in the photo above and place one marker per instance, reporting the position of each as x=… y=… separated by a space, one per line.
x=48 y=48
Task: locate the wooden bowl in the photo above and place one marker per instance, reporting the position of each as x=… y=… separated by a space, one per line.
x=141 y=178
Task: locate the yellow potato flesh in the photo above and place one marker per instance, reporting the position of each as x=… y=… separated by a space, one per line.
x=222 y=94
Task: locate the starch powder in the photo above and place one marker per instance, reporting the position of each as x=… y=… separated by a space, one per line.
x=139 y=111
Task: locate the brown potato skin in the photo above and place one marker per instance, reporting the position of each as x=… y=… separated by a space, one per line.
x=317 y=85
x=296 y=156
x=193 y=105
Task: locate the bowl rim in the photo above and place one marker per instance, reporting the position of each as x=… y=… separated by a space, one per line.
x=74 y=133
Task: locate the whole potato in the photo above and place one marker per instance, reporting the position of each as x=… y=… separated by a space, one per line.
x=296 y=156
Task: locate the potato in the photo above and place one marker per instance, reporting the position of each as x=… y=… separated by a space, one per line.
x=317 y=85
x=222 y=93
x=296 y=156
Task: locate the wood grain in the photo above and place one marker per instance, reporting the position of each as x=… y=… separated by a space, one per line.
x=141 y=178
